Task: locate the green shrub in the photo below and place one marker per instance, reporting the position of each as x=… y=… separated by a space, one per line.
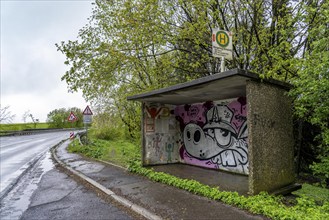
x=318 y=194
x=94 y=150
x=106 y=133
x=321 y=170
x=107 y=125
x=116 y=151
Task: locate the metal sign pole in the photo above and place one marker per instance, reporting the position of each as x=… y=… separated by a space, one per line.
x=222 y=64
x=87 y=118
x=86 y=127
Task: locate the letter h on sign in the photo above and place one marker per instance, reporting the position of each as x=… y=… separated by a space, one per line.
x=222 y=38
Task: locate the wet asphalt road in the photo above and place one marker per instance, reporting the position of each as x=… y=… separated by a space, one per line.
x=18 y=152
x=45 y=192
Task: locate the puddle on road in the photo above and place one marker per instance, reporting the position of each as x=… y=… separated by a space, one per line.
x=47 y=163
x=18 y=199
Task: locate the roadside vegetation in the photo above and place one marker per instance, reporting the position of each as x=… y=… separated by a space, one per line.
x=23 y=126
x=118 y=152
x=57 y=118
x=310 y=202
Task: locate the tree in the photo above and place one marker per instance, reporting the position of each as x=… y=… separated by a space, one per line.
x=130 y=47
x=26 y=115
x=106 y=123
x=58 y=118
x=312 y=85
x=6 y=115
x=78 y=113
x=35 y=121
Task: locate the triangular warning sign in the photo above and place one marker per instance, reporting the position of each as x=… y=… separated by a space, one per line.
x=72 y=117
x=87 y=111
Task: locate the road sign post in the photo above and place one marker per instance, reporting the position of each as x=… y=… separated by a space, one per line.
x=87 y=118
x=72 y=118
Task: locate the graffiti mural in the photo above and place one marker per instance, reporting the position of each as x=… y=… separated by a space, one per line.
x=162 y=135
x=215 y=134
x=156 y=116
x=162 y=148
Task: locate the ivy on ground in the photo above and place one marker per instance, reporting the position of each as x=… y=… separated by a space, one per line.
x=263 y=203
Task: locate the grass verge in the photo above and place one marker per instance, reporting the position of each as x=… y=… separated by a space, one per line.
x=311 y=203
x=318 y=194
x=23 y=126
x=116 y=151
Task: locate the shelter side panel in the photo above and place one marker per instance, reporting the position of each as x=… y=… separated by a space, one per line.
x=214 y=134
x=271 y=137
x=161 y=134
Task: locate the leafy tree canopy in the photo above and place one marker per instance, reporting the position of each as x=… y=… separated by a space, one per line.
x=58 y=118
x=135 y=46
x=146 y=44
x=311 y=90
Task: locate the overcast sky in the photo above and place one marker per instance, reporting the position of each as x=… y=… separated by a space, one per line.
x=31 y=66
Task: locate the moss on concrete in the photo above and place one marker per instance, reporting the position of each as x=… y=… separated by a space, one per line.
x=271 y=142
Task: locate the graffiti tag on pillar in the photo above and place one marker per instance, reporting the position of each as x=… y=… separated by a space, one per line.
x=263 y=122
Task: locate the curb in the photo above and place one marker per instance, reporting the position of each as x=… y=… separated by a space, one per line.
x=112 y=164
x=138 y=209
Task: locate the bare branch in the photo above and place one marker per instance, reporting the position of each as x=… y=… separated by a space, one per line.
x=5 y=115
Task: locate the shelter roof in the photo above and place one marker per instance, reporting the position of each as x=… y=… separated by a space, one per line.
x=219 y=86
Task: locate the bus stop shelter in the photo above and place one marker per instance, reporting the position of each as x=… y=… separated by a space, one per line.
x=231 y=124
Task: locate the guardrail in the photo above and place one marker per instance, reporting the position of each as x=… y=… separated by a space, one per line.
x=35 y=131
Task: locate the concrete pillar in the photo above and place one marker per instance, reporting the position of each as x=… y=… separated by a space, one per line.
x=271 y=141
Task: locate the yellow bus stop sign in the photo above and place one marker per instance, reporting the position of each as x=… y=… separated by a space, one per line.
x=222 y=44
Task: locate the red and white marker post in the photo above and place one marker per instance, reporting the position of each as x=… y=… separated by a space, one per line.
x=72 y=118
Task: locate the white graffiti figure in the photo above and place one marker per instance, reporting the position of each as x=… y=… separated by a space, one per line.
x=218 y=141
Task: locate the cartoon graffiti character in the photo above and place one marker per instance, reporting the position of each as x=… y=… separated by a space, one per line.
x=217 y=141
x=196 y=143
x=156 y=143
x=169 y=150
x=219 y=127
